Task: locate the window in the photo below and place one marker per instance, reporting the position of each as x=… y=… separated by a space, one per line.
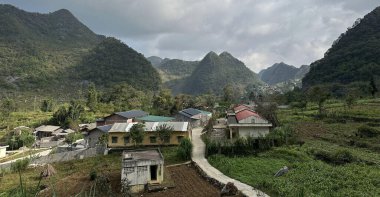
x=252 y=120
x=129 y=169
x=167 y=139
x=153 y=139
x=142 y=168
x=179 y=138
x=126 y=139
x=114 y=140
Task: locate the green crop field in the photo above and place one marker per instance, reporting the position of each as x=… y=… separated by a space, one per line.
x=334 y=160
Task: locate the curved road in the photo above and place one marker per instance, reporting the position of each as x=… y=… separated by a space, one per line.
x=198 y=156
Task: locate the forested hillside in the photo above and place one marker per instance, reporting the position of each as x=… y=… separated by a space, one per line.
x=354 y=56
x=215 y=72
x=54 y=55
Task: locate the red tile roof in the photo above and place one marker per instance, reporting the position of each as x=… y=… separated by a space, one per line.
x=240 y=108
x=245 y=114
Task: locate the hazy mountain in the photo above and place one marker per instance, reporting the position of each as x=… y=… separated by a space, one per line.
x=302 y=71
x=277 y=73
x=41 y=55
x=213 y=73
x=354 y=56
x=154 y=60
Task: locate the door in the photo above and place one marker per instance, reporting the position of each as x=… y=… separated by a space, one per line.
x=153 y=173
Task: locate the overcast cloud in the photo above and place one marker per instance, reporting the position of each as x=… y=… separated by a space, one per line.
x=260 y=33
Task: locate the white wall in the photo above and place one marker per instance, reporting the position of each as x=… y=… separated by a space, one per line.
x=257 y=120
x=2 y=152
x=253 y=131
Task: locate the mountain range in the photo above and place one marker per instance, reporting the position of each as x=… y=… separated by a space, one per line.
x=55 y=54
x=281 y=72
x=210 y=75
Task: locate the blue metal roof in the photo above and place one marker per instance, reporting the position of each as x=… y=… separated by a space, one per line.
x=132 y=113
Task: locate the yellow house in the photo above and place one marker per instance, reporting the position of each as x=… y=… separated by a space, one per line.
x=118 y=135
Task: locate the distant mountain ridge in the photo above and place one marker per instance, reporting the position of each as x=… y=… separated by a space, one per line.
x=353 y=57
x=46 y=54
x=281 y=72
x=213 y=73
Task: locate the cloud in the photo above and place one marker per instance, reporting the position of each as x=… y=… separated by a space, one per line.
x=260 y=33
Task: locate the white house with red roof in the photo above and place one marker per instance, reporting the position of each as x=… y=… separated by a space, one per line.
x=245 y=122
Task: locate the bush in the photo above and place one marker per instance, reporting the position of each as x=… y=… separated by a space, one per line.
x=93 y=175
x=338 y=157
x=367 y=131
x=20 y=165
x=185 y=149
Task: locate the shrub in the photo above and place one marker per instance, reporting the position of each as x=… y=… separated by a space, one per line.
x=20 y=165
x=93 y=175
x=339 y=157
x=185 y=149
x=367 y=131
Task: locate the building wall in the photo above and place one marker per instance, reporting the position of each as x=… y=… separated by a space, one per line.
x=253 y=131
x=256 y=120
x=138 y=173
x=2 y=152
x=120 y=142
x=93 y=137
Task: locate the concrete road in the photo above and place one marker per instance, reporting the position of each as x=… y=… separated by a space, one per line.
x=198 y=156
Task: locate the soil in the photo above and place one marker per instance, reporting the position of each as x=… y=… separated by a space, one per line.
x=188 y=184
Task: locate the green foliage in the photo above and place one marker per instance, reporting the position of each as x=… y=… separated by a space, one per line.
x=137 y=133
x=185 y=149
x=319 y=95
x=353 y=57
x=20 y=165
x=72 y=137
x=68 y=116
x=7 y=106
x=113 y=62
x=92 y=97
x=26 y=138
x=163 y=102
x=93 y=175
x=47 y=105
x=164 y=132
x=338 y=157
x=367 y=131
x=214 y=72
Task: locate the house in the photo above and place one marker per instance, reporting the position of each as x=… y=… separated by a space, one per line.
x=93 y=135
x=151 y=118
x=63 y=133
x=246 y=123
x=196 y=117
x=3 y=151
x=46 y=131
x=119 y=117
x=119 y=137
x=142 y=167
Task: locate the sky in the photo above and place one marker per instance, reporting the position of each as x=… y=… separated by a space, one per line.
x=258 y=32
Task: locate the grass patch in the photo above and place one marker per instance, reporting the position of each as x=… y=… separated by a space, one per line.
x=170 y=155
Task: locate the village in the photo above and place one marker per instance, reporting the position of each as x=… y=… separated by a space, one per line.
x=138 y=137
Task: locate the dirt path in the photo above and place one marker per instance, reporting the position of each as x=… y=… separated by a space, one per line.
x=198 y=157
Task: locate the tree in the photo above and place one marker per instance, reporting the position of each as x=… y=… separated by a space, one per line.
x=185 y=149
x=68 y=117
x=47 y=105
x=269 y=112
x=137 y=133
x=7 y=106
x=373 y=88
x=72 y=137
x=92 y=97
x=164 y=132
x=228 y=93
x=163 y=102
x=319 y=95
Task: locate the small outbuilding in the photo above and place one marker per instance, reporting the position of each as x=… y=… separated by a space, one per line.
x=3 y=151
x=142 y=167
